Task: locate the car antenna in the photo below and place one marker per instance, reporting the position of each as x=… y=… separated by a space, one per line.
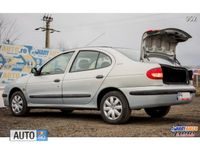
x=95 y=39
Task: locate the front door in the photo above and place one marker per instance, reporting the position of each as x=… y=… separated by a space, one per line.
x=46 y=88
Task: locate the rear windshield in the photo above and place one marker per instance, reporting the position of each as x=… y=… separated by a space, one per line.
x=132 y=54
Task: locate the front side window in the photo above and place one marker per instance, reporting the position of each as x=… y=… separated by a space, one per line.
x=57 y=65
x=85 y=60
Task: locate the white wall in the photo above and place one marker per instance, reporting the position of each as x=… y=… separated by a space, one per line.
x=1 y=99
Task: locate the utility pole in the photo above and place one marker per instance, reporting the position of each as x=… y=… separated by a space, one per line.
x=47 y=19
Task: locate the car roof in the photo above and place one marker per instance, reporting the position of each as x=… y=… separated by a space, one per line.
x=99 y=48
x=117 y=52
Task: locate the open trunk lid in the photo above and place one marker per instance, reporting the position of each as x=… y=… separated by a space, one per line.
x=162 y=44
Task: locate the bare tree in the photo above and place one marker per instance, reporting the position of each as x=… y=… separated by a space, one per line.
x=8 y=32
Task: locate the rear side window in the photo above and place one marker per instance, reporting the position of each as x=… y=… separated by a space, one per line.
x=132 y=54
x=90 y=60
x=103 y=61
x=85 y=60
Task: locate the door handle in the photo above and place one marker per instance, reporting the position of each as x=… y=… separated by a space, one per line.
x=56 y=80
x=99 y=76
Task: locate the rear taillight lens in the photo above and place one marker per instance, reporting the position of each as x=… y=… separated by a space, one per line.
x=155 y=73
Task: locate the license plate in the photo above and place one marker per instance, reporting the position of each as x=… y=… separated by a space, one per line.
x=184 y=96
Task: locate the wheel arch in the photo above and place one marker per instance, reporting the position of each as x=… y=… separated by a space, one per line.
x=13 y=90
x=106 y=90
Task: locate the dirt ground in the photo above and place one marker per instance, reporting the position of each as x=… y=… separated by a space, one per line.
x=82 y=123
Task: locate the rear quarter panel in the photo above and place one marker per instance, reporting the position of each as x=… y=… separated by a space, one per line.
x=128 y=73
x=131 y=74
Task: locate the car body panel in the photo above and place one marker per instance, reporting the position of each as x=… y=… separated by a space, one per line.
x=82 y=83
x=43 y=89
x=147 y=99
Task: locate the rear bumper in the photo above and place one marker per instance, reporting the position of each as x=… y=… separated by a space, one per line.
x=161 y=92
x=155 y=96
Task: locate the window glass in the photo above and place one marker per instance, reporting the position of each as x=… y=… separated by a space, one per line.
x=85 y=60
x=103 y=61
x=132 y=54
x=57 y=65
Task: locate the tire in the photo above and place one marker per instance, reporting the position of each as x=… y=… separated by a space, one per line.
x=66 y=111
x=18 y=104
x=115 y=108
x=157 y=112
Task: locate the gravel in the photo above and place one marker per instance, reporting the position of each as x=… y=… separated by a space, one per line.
x=88 y=123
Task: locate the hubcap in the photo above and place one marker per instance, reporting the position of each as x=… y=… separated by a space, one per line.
x=17 y=104
x=112 y=108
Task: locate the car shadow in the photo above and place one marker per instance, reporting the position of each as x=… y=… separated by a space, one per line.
x=95 y=116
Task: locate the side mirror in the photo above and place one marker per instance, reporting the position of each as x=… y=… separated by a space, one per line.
x=34 y=71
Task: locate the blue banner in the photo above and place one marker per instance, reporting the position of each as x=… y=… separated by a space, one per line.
x=17 y=60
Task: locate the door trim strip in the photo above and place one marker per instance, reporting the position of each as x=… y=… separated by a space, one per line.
x=61 y=96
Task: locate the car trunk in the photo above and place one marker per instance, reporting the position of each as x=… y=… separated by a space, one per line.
x=175 y=75
x=162 y=44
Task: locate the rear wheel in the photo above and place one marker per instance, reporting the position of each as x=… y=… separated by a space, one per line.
x=114 y=108
x=18 y=104
x=157 y=112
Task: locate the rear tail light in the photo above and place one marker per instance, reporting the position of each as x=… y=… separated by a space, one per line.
x=155 y=74
x=152 y=31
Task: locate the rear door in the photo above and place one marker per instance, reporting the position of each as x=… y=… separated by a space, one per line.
x=88 y=71
x=160 y=45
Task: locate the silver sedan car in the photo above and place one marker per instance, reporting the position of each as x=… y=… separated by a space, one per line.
x=112 y=80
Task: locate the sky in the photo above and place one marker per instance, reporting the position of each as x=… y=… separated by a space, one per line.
x=117 y=30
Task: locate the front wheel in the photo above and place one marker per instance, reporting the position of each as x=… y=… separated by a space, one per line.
x=18 y=104
x=114 y=108
x=157 y=112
